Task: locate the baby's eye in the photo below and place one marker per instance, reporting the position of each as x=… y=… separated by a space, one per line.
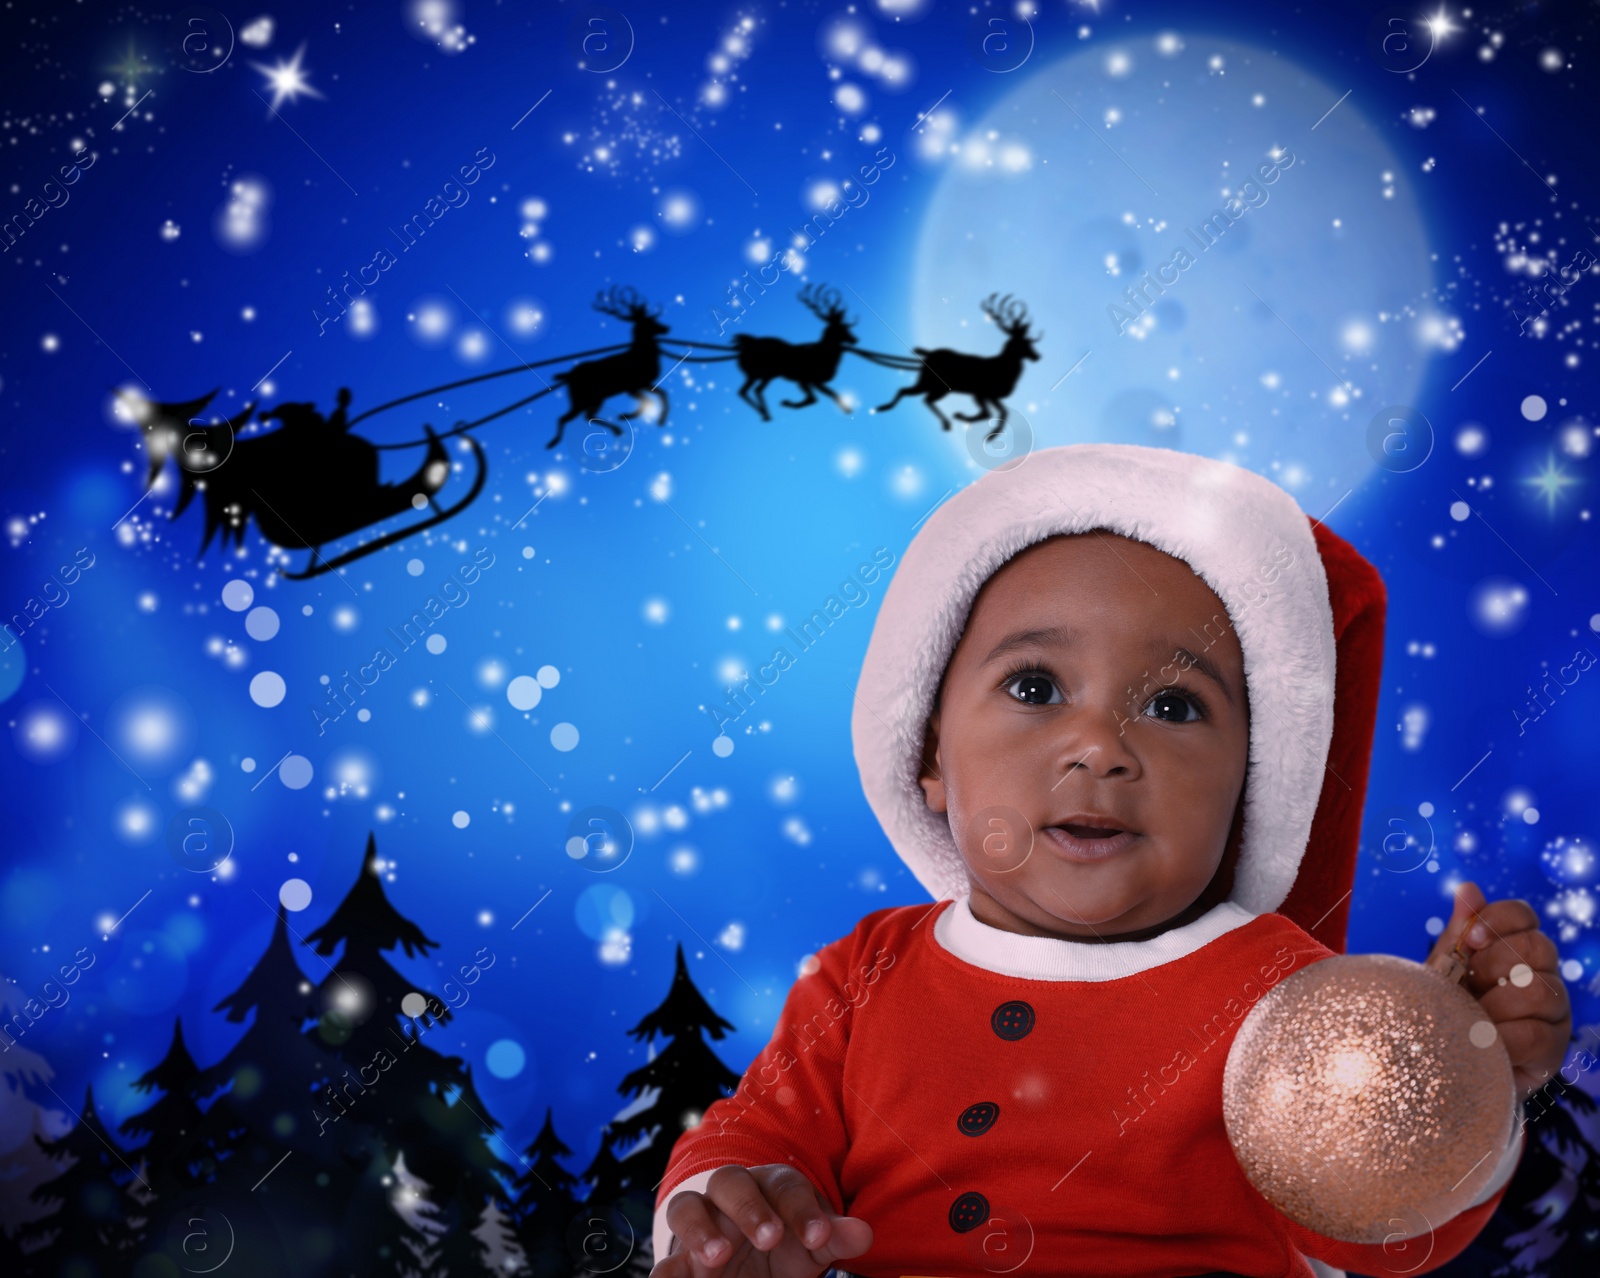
x=1173 y=707
x=1036 y=690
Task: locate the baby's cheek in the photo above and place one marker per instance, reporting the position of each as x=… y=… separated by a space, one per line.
x=996 y=839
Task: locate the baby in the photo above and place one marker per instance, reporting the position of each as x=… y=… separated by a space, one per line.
x=1099 y=720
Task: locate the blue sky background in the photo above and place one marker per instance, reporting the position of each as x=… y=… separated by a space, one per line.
x=690 y=147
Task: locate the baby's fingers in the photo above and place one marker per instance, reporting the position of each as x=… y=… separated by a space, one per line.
x=848 y=1237
x=676 y=1265
x=1531 y=993
x=1503 y=917
x=1468 y=901
x=795 y=1199
x=1517 y=975
x=1529 y=1042
x=1498 y=956
x=693 y=1219
x=737 y=1192
x=1536 y=1048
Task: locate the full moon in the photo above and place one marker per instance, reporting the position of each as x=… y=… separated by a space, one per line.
x=1189 y=298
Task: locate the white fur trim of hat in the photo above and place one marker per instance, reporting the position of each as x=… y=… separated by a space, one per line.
x=1242 y=535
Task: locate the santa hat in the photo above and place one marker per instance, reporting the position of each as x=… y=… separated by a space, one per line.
x=1307 y=609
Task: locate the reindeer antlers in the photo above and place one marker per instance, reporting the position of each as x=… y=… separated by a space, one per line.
x=607 y=302
x=823 y=302
x=624 y=305
x=1009 y=316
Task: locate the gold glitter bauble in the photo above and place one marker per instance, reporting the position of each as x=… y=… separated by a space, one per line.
x=1368 y=1098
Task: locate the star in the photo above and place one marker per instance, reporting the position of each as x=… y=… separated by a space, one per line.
x=1440 y=24
x=287 y=80
x=1551 y=482
x=133 y=67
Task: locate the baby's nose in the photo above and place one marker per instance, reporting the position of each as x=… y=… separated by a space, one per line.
x=1094 y=739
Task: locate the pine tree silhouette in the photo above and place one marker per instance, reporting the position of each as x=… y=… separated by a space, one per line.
x=418 y=1103
x=93 y=1224
x=675 y=1088
x=608 y=1239
x=277 y=1068
x=23 y=1164
x=176 y=1150
x=269 y=1081
x=1579 y=1226
x=388 y=1228
x=497 y=1234
x=545 y=1205
x=13 y=1260
x=262 y=1112
x=685 y=1077
x=1552 y=1202
x=369 y=924
x=465 y=1171
x=607 y=1178
x=1579 y=1229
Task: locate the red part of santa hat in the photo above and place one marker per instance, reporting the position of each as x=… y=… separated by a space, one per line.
x=1307 y=608
x=1320 y=899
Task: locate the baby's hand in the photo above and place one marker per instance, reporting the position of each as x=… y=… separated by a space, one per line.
x=758 y=1222
x=1512 y=971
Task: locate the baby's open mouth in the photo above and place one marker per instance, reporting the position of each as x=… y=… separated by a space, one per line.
x=1090 y=836
x=1091 y=831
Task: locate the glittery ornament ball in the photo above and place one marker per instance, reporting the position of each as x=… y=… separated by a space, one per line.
x=1368 y=1098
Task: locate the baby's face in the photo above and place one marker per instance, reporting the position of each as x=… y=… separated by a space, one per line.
x=1091 y=740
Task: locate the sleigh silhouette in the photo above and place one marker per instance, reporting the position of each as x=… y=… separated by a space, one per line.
x=307 y=484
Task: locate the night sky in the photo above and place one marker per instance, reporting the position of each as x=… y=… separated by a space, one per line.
x=227 y=215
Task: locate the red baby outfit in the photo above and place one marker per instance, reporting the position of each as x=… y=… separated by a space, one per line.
x=982 y=1122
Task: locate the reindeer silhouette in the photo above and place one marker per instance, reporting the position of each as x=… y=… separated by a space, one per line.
x=630 y=372
x=987 y=378
x=811 y=365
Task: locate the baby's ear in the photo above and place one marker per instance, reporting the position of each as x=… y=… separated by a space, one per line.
x=929 y=776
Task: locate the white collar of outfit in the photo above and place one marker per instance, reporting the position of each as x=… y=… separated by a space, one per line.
x=1048 y=958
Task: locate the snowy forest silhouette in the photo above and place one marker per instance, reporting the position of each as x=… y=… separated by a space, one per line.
x=332 y=1139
